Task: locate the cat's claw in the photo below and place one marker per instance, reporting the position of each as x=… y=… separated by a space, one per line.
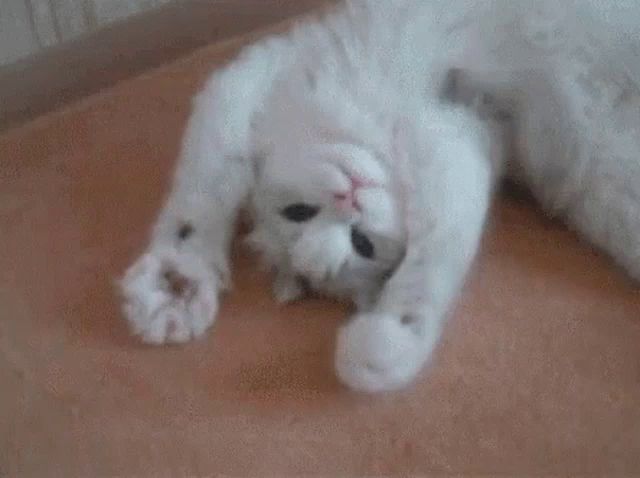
x=169 y=296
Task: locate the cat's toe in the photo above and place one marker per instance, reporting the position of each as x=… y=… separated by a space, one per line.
x=378 y=353
x=169 y=297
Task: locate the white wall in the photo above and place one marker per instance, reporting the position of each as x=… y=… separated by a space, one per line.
x=27 y=26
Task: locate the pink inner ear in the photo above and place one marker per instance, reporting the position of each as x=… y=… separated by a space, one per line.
x=347 y=200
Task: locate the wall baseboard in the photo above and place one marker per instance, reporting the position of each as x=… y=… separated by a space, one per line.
x=71 y=71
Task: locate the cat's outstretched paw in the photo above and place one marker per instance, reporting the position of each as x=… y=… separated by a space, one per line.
x=380 y=352
x=169 y=297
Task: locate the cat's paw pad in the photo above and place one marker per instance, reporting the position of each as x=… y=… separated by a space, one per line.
x=377 y=353
x=169 y=297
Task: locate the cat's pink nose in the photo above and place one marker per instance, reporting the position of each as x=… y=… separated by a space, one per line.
x=346 y=200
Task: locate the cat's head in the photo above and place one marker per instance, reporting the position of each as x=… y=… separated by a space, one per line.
x=326 y=205
x=331 y=219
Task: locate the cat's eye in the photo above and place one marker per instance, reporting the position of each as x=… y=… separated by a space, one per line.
x=300 y=212
x=362 y=244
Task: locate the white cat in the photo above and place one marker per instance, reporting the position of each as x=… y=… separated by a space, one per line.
x=363 y=147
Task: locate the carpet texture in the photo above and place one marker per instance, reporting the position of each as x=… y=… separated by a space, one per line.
x=538 y=372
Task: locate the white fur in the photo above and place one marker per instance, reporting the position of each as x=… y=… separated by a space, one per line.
x=347 y=113
x=155 y=312
x=376 y=353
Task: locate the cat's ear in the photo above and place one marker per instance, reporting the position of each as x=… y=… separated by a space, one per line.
x=400 y=137
x=402 y=148
x=461 y=88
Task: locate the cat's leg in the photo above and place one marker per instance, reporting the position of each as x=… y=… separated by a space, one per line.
x=576 y=137
x=386 y=347
x=608 y=211
x=171 y=292
x=580 y=148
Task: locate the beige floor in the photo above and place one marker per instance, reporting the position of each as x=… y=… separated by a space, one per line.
x=538 y=372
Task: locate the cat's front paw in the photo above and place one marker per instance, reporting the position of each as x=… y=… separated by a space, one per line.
x=169 y=296
x=380 y=352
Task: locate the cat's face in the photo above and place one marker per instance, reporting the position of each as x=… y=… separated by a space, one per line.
x=329 y=214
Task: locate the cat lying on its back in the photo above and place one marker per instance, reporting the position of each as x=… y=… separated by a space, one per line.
x=367 y=153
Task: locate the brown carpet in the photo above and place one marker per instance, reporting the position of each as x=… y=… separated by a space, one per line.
x=538 y=372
